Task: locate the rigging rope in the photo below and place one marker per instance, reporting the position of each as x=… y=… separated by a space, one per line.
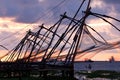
x=48 y=10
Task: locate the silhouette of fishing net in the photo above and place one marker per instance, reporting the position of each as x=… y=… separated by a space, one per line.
x=67 y=40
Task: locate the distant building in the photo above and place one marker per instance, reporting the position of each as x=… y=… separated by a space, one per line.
x=88 y=60
x=112 y=59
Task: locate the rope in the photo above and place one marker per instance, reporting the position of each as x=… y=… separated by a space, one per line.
x=48 y=10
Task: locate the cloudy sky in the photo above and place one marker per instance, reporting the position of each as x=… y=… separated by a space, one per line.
x=18 y=16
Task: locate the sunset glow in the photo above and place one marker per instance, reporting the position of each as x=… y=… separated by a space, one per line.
x=16 y=20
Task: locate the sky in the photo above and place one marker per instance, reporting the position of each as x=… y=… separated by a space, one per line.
x=18 y=16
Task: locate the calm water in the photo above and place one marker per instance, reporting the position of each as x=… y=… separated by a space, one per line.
x=97 y=65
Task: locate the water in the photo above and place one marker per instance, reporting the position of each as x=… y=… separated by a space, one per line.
x=97 y=65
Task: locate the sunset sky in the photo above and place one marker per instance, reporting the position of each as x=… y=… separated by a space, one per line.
x=18 y=16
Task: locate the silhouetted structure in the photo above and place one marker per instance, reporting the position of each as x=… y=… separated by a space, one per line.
x=50 y=49
x=112 y=59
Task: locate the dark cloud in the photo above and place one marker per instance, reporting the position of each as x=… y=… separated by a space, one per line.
x=29 y=14
x=9 y=8
x=107 y=7
x=21 y=10
x=28 y=11
x=112 y=1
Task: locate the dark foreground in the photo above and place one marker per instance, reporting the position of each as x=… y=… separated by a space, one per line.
x=35 y=71
x=33 y=78
x=105 y=74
